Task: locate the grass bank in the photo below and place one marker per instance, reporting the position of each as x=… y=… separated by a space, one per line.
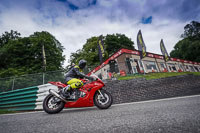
x=6 y=111
x=150 y=76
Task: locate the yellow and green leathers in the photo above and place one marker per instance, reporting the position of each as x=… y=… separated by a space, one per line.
x=75 y=83
x=73 y=77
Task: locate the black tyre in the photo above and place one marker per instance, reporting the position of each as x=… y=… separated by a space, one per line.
x=103 y=103
x=52 y=104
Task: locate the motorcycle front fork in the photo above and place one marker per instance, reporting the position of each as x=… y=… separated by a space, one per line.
x=102 y=96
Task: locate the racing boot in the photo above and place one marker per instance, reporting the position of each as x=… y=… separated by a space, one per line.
x=66 y=92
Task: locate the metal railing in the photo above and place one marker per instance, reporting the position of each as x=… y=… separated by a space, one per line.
x=13 y=83
x=24 y=81
x=21 y=99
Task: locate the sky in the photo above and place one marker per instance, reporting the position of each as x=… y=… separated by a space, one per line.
x=72 y=22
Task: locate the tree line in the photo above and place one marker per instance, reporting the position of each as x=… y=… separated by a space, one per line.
x=189 y=47
x=23 y=55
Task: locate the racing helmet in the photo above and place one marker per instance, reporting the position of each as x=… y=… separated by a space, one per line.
x=82 y=64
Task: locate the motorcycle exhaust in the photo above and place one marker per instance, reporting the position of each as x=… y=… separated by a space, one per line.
x=52 y=92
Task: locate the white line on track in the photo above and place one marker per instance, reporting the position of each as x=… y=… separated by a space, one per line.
x=158 y=100
x=122 y=104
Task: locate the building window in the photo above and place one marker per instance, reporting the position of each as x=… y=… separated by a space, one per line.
x=150 y=65
x=187 y=68
x=116 y=68
x=113 y=66
x=100 y=76
x=196 y=68
x=163 y=67
x=181 y=66
x=141 y=66
x=128 y=64
x=191 y=68
x=135 y=69
x=172 y=67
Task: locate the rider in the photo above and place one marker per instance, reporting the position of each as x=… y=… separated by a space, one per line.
x=73 y=78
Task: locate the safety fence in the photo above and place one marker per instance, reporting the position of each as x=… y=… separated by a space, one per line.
x=24 y=81
x=30 y=98
x=21 y=99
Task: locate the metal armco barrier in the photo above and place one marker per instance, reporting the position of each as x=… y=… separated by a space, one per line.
x=21 y=99
x=25 y=99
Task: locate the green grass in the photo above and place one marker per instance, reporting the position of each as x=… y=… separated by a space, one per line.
x=2 y=111
x=150 y=76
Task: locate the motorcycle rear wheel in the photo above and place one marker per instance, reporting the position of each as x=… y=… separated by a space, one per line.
x=52 y=107
x=103 y=103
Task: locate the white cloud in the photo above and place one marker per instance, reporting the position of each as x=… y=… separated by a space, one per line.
x=72 y=29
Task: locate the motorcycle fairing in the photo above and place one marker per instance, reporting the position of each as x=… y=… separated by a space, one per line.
x=86 y=101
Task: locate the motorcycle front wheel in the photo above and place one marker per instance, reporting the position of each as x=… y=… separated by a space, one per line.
x=103 y=102
x=52 y=104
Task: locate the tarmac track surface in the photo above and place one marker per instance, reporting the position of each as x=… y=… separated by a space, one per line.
x=175 y=115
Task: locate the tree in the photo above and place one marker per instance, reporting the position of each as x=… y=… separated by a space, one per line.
x=7 y=36
x=53 y=51
x=189 y=47
x=24 y=55
x=186 y=49
x=89 y=52
x=192 y=30
x=115 y=42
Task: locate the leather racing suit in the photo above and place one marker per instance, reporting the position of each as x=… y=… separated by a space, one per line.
x=73 y=77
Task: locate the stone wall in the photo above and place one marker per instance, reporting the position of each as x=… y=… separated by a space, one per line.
x=141 y=89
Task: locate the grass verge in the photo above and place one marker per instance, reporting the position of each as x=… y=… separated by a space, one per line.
x=2 y=111
x=150 y=76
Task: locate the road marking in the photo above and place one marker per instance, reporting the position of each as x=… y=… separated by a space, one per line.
x=148 y=101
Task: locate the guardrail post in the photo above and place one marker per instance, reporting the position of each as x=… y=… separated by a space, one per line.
x=13 y=85
x=43 y=76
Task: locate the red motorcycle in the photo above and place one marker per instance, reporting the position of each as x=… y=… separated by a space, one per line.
x=90 y=94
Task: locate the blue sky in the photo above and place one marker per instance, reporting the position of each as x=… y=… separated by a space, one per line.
x=73 y=21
